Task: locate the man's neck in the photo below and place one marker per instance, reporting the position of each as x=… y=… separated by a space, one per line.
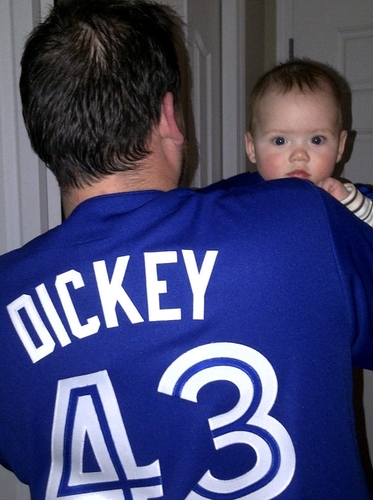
x=120 y=182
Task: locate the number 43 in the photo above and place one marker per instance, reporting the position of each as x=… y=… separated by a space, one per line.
x=87 y=409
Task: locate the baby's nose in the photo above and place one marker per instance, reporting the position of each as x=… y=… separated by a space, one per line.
x=299 y=154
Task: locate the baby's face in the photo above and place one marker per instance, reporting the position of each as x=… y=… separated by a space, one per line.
x=296 y=135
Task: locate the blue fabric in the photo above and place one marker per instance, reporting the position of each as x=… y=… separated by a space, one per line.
x=239 y=180
x=145 y=316
x=366 y=190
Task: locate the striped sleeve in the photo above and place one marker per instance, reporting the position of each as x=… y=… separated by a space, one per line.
x=359 y=204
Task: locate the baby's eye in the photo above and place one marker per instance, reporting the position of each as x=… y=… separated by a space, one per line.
x=318 y=139
x=279 y=141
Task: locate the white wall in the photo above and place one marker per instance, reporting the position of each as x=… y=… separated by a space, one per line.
x=29 y=196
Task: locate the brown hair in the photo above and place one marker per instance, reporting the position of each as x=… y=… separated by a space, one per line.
x=94 y=75
x=301 y=74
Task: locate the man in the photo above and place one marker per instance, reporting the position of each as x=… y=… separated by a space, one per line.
x=166 y=343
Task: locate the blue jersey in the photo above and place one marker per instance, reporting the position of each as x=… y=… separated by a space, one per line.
x=366 y=190
x=185 y=345
x=239 y=180
x=254 y=178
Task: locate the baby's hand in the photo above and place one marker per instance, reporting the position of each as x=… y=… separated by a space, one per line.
x=334 y=187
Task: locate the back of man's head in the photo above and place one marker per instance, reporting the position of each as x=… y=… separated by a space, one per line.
x=93 y=78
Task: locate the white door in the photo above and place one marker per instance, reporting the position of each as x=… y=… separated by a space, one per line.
x=340 y=32
x=215 y=36
x=205 y=59
x=29 y=195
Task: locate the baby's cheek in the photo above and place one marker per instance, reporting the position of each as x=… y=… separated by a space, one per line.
x=272 y=167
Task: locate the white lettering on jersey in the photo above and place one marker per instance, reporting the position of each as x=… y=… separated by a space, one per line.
x=40 y=342
x=112 y=292
x=93 y=324
x=248 y=422
x=199 y=279
x=87 y=410
x=25 y=303
x=155 y=287
x=52 y=315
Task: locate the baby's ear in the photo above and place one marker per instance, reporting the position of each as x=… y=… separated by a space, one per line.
x=250 y=148
x=342 y=143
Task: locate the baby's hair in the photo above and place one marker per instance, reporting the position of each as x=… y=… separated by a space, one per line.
x=299 y=74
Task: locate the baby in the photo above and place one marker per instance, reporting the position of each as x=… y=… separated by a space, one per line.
x=296 y=130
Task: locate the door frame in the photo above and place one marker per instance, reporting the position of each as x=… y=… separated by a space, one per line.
x=284 y=28
x=233 y=87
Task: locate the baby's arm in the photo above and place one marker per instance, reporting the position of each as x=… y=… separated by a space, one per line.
x=351 y=197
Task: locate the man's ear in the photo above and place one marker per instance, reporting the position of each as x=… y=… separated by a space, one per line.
x=342 y=143
x=250 y=148
x=168 y=126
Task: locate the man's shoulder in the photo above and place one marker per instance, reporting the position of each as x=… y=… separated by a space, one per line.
x=244 y=179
